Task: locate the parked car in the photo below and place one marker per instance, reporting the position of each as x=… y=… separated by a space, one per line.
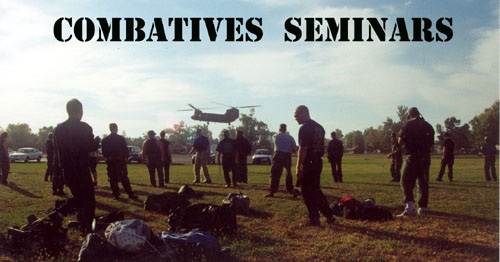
x=26 y=154
x=134 y=154
x=212 y=158
x=261 y=156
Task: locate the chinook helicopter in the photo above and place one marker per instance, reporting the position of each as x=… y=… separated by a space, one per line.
x=231 y=114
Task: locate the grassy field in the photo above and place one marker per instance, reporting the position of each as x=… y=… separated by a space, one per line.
x=462 y=224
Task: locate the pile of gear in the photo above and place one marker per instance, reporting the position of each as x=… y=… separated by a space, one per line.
x=351 y=208
x=191 y=236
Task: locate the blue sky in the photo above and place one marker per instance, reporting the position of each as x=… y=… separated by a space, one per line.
x=349 y=86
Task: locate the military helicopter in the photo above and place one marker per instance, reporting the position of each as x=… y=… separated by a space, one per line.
x=231 y=114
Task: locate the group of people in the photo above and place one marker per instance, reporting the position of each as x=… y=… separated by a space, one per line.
x=72 y=146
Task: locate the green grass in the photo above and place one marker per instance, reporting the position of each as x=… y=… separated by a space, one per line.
x=462 y=224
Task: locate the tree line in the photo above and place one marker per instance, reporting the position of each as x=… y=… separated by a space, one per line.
x=467 y=136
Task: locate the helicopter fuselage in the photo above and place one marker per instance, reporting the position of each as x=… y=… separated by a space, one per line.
x=231 y=115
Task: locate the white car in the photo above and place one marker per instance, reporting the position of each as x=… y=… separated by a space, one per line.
x=261 y=156
x=26 y=154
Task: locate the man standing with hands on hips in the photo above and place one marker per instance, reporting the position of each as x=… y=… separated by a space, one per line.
x=309 y=166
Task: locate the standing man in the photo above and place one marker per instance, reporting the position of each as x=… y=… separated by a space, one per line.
x=243 y=149
x=397 y=158
x=284 y=147
x=114 y=149
x=417 y=138
x=489 y=151
x=168 y=156
x=227 y=149
x=50 y=149
x=153 y=156
x=335 y=153
x=202 y=147
x=4 y=159
x=74 y=141
x=448 y=158
x=310 y=164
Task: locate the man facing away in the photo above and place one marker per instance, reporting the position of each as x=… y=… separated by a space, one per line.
x=202 y=147
x=168 y=156
x=50 y=149
x=489 y=151
x=309 y=166
x=417 y=137
x=284 y=147
x=114 y=149
x=74 y=141
x=335 y=153
x=227 y=150
x=153 y=156
x=447 y=158
x=397 y=158
x=243 y=149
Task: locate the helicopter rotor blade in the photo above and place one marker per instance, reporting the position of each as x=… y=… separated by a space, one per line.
x=222 y=104
x=248 y=106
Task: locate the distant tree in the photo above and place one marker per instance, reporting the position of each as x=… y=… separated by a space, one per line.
x=461 y=135
x=20 y=135
x=43 y=136
x=354 y=140
x=372 y=138
x=257 y=132
x=486 y=124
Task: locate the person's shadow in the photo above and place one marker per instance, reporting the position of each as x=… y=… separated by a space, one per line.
x=21 y=191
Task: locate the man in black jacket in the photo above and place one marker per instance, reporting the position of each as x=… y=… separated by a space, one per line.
x=50 y=149
x=74 y=141
x=397 y=159
x=447 y=158
x=335 y=153
x=115 y=151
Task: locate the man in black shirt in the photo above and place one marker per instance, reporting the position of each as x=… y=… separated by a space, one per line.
x=153 y=156
x=168 y=156
x=310 y=164
x=74 y=140
x=397 y=159
x=335 y=153
x=227 y=149
x=114 y=149
x=243 y=149
x=417 y=138
x=49 y=148
x=448 y=158
x=489 y=151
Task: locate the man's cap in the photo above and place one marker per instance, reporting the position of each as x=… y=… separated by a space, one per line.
x=226 y=132
x=151 y=133
x=393 y=134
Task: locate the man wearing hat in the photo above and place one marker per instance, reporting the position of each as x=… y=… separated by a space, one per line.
x=153 y=156
x=417 y=137
x=397 y=158
x=227 y=148
x=489 y=151
x=168 y=156
x=202 y=147
x=448 y=158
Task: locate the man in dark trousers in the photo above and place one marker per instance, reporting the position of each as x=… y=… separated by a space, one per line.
x=397 y=158
x=227 y=149
x=284 y=147
x=153 y=156
x=202 y=147
x=168 y=156
x=417 y=138
x=335 y=153
x=115 y=151
x=74 y=140
x=310 y=165
x=4 y=159
x=50 y=149
x=447 y=158
x=243 y=149
x=489 y=151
